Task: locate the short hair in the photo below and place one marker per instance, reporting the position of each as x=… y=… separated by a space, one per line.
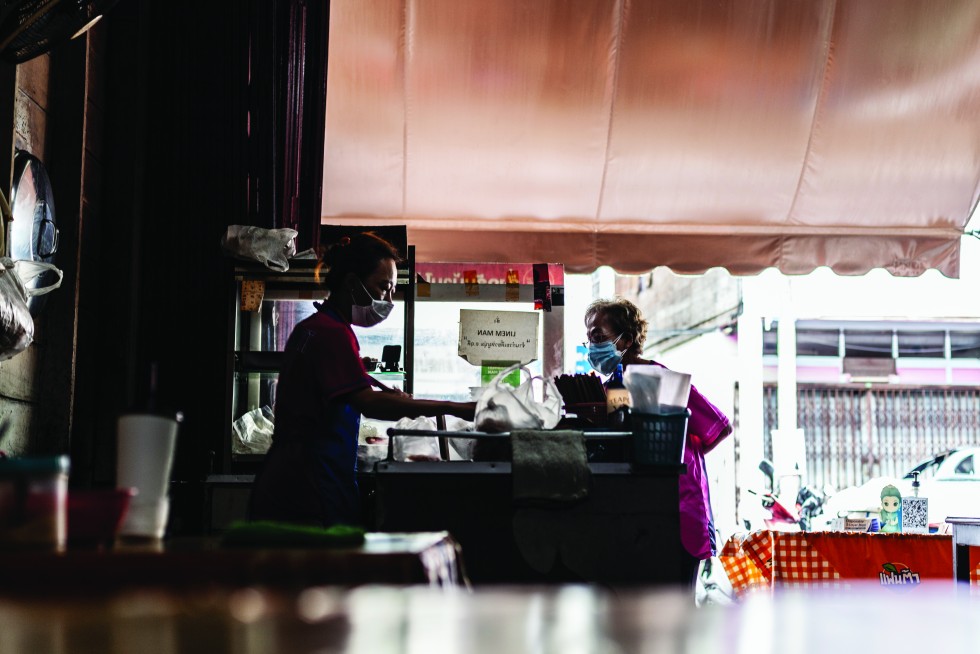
x=360 y=254
x=623 y=316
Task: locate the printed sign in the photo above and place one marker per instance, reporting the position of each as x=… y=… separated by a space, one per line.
x=498 y=336
x=915 y=515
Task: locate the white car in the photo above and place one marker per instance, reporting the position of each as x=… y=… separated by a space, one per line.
x=949 y=480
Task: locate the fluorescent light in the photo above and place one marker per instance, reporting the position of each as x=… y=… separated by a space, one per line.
x=86 y=27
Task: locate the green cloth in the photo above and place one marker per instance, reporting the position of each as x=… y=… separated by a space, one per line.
x=549 y=466
x=266 y=533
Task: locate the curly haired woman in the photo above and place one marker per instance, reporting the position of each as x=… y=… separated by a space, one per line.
x=616 y=331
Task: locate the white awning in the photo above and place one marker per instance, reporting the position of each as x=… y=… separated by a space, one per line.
x=744 y=134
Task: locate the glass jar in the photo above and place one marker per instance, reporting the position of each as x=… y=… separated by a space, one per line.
x=33 y=503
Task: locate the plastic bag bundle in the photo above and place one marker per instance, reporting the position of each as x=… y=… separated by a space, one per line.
x=502 y=407
x=16 y=322
x=253 y=431
x=271 y=247
x=416 y=448
x=463 y=447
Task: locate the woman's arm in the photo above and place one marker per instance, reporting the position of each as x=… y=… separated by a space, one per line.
x=394 y=406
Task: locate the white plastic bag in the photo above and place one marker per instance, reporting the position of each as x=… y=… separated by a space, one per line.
x=502 y=407
x=271 y=247
x=462 y=447
x=253 y=431
x=416 y=448
x=16 y=323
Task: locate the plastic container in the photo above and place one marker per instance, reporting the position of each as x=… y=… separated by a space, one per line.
x=33 y=507
x=95 y=515
x=658 y=440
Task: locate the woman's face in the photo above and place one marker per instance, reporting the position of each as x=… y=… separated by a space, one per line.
x=598 y=329
x=890 y=504
x=380 y=284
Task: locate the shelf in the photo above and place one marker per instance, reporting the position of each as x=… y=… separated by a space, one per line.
x=246 y=362
x=247 y=458
x=253 y=375
x=258 y=361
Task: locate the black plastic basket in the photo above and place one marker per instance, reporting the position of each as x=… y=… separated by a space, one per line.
x=658 y=440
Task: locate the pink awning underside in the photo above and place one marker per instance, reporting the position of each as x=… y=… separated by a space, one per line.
x=744 y=134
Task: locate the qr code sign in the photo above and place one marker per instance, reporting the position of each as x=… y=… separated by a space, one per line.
x=915 y=515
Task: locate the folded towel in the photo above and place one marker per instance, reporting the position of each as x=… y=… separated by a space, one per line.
x=267 y=533
x=549 y=465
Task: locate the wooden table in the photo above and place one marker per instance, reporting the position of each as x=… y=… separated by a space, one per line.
x=515 y=620
x=384 y=558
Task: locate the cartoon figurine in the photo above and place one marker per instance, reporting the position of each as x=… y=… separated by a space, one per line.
x=891 y=510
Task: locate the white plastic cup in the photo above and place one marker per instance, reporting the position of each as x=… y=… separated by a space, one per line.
x=145 y=454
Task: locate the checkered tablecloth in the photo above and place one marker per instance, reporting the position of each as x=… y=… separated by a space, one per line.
x=799 y=564
x=764 y=560
x=747 y=560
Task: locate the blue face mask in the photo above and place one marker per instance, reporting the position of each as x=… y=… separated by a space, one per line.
x=604 y=357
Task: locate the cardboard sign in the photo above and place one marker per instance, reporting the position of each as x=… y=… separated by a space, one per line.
x=498 y=336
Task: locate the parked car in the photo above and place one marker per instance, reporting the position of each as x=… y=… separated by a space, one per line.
x=950 y=481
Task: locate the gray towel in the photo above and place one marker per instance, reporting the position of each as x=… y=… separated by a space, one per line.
x=549 y=465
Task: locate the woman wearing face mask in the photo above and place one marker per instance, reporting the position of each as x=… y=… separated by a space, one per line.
x=616 y=331
x=310 y=472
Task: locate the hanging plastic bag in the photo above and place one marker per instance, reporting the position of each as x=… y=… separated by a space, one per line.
x=416 y=448
x=271 y=247
x=16 y=323
x=502 y=407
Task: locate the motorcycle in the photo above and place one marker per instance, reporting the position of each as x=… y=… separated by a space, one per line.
x=776 y=515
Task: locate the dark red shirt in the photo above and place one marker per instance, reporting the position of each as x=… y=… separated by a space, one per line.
x=310 y=472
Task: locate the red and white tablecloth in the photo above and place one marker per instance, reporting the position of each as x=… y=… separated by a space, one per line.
x=767 y=560
x=747 y=560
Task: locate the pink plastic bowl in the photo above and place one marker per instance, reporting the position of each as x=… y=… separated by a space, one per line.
x=95 y=515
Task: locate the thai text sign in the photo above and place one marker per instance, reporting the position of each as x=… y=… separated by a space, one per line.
x=498 y=336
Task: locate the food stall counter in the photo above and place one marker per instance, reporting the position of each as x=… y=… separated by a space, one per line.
x=773 y=560
x=570 y=521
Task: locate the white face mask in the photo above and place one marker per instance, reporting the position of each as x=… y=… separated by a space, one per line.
x=371 y=314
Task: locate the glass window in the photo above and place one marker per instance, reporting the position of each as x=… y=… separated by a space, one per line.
x=867 y=344
x=922 y=344
x=440 y=374
x=965 y=467
x=964 y=345
x=769 y=339
x=818 y=342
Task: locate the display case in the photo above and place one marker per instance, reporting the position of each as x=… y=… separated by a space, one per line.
x=264 y=307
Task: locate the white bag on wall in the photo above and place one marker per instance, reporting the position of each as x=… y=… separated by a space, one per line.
x=16 y=322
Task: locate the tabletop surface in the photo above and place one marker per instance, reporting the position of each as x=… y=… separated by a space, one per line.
x=412 y=619
x=392 y=558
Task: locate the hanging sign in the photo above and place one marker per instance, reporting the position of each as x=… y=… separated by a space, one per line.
x=253 y=290
x=498 y=336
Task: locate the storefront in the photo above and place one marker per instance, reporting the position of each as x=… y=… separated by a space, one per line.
x=633 y=135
